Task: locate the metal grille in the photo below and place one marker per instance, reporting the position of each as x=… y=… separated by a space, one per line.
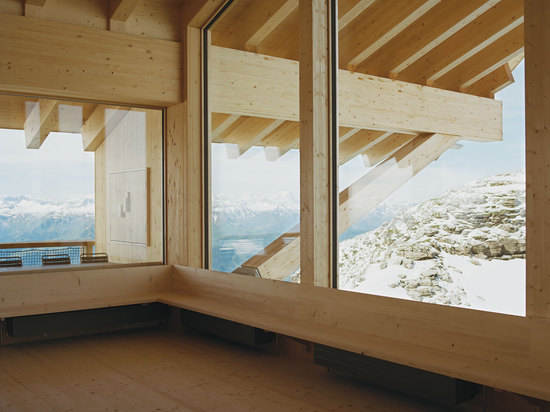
x=33 y=256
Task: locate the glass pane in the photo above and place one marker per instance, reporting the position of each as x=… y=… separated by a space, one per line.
x=254 y=139
x=81 y=182
x=432 y=194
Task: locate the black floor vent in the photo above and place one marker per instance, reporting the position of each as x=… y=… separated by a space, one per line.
x=416 y=382
x=87 y=321
x=236 y=332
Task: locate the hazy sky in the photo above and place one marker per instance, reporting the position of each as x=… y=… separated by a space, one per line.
x=61 y=168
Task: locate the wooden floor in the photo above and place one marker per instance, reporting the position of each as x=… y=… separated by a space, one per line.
x=157 y=370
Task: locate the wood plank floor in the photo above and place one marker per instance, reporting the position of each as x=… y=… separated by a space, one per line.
x=158 y=370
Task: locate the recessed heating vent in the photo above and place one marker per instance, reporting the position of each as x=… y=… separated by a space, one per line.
x=87 y=321
x=236 y=332
x=416 y=382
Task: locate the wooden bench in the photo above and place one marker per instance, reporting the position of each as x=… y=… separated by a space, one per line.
x=63 y=289
x=507 y=352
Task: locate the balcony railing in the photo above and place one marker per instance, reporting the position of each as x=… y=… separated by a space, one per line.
x=31 y=252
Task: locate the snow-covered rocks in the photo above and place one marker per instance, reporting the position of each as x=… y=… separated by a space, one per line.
x=480 y=222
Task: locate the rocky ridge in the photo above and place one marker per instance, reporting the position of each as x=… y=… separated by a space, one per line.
x=483 y=220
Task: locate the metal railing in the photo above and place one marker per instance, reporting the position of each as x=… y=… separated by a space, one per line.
x=31 y=252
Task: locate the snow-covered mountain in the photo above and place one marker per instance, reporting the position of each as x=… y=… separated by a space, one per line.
x=464 y=248
x=253 y=215
x=24 y=219
x=242 y=227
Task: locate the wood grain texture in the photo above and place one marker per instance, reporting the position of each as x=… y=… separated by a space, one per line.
x=257 y=85
x=402 y=162
x=66 y=61
x=156 y=369
x=501 y=351
x=76 y=289
x=315 y=145
x=537 y=144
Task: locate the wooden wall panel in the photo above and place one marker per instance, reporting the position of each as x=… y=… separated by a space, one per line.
x=135 y=143
x=502 y=351
x=66 y=61
x=537 y=144
x=50 y=291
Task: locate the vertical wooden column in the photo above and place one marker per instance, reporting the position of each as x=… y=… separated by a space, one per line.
x=537 y=143
x=184 y=146
x=315 y=147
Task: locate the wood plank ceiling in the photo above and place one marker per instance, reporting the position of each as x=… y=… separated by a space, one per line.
x=466 y=46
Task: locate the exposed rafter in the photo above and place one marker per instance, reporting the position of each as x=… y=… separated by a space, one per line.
x=385 y=148
x=42 y=118
x=101 y=122
x=385 y=19
x=344 y=133
x=436 y=26
x=271 y=24
x=35 y=8
x=281 y=257
x=476 y=66
x=360 y=142
x=119 y=13
x=222 y=122
x=257 y=85
x=247 y=132
x=491 y=83
x=281 y=140
x=352 y=13
x=391 y=33
x=474 y=37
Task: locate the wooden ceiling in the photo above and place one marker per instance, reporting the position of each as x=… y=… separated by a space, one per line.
x=465 y=46
x=450 y=44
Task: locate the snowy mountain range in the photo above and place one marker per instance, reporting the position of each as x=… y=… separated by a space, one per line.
x=464 y=248
x=242 y=227
x=24 y=219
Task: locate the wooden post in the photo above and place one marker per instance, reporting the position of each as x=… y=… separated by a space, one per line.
x=315 y=147
x=537 y=145
x=184 y=148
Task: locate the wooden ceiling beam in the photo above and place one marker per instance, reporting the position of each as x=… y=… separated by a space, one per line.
x=376 y=26
x=482 y=63
x=360 y=142
x=352 y=13
x=99 y=124
x=281 y=140
x=385 y=148
x=248 y=132
x=474 y=37
x=40 y=121
x=119 y=13
x=256 y=85
x=436 y=26
x=516 y=61
x=221 y=128
x=281 y=257
x=96 y=64
x=344 y=133
x=271 y=24
x=274 y=124
x=35 y=8
x=492 y=83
